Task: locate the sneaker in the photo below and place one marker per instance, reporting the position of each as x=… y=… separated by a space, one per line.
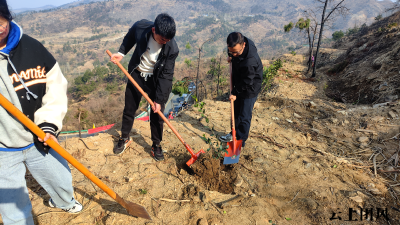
x=226 y=138
x=157 y=153
x=123 y=143
x=77 y=208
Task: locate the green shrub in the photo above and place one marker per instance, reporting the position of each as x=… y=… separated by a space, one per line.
x=270 y=72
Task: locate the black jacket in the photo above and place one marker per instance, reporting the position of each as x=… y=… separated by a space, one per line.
x=163 y=73
x=247 y=72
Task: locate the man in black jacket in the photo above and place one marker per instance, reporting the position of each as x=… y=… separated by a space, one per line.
x=152 y=66
x=246 y=79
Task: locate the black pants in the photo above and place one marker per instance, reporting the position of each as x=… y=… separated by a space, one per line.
x=132 y=100
x=243 y=108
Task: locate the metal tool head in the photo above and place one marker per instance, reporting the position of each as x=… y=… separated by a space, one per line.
x=194 y=157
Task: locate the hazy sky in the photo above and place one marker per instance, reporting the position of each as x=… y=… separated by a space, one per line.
x=18 y=4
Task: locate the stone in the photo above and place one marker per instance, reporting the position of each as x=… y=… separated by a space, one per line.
x=342 y=112
x=202 y=221
x=392 y=114
x=128 y=179
x=315 y=130
x=378 y=118
x=391 y=98
x=380 y=105
x=297 y=116
x=357 y=199
x=256 y=105
x=258 y=160
x=238 y=182
x=363 y=139
x=312 y=104
x=363 y=47
x=289 y=121
x=334 y=120
x=275 y=118
x=375 y=191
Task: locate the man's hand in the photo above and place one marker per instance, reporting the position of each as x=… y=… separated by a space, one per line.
x=116 y=58
x=48 y=135
x=229 y=59
x=232 y=97
x=156 y=108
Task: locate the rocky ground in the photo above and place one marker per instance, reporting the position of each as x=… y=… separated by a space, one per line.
x=308 y=160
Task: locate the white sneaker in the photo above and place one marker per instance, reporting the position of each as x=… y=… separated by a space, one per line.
x=77 y=208
x=226 y=138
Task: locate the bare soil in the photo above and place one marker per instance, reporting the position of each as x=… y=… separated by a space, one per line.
x=307 y=157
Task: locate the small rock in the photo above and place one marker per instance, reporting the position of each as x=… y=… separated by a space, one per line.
x=392 y=114
x=308 y=165
x=342 y=112
x=128 y=179
x=315 y=118
x=346 y=122
x=258 y=160
x=238 y=182
x=378 y=118
x=312 y=104
x=371 y=185
x=391 y=98
x=389 y=168
x=289 y=121
x=202 y=221
x=275 y=118
x=380 y=105
x=256 y=105
x=375 y=191
x=164 y=150
x=253 y=195
x=315 y=130
x=297 y=115
x=357 y=199
x=334 y=120
x=363 y=139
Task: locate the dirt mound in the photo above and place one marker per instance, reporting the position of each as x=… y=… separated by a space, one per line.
x=213 y=175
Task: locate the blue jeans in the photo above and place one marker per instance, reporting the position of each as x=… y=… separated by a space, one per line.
x=51 y=171
x=243 y=108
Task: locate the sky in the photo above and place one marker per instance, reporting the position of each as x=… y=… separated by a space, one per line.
x=19 y=4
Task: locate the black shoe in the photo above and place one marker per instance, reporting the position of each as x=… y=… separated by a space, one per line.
x=157 y=153
x=123 y=143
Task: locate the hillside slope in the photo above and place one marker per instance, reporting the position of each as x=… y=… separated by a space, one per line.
x=307 y=158
x=368 y=70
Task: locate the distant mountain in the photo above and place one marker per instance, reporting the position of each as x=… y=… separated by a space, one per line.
x=81 y=30
x=21 y=10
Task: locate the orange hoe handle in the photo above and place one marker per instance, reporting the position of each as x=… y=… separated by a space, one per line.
x=60 y=150
x=159 y=112
x=233 y=125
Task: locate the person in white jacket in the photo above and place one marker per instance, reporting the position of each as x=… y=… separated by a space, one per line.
x=31 y=79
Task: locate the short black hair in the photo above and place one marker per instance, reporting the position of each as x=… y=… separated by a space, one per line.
x=165 y=26
x=4 y=11
x=234 y=38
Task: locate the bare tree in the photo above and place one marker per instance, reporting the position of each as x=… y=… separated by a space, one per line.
x=337 y=8
x=309 y=25
x=198 y=64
